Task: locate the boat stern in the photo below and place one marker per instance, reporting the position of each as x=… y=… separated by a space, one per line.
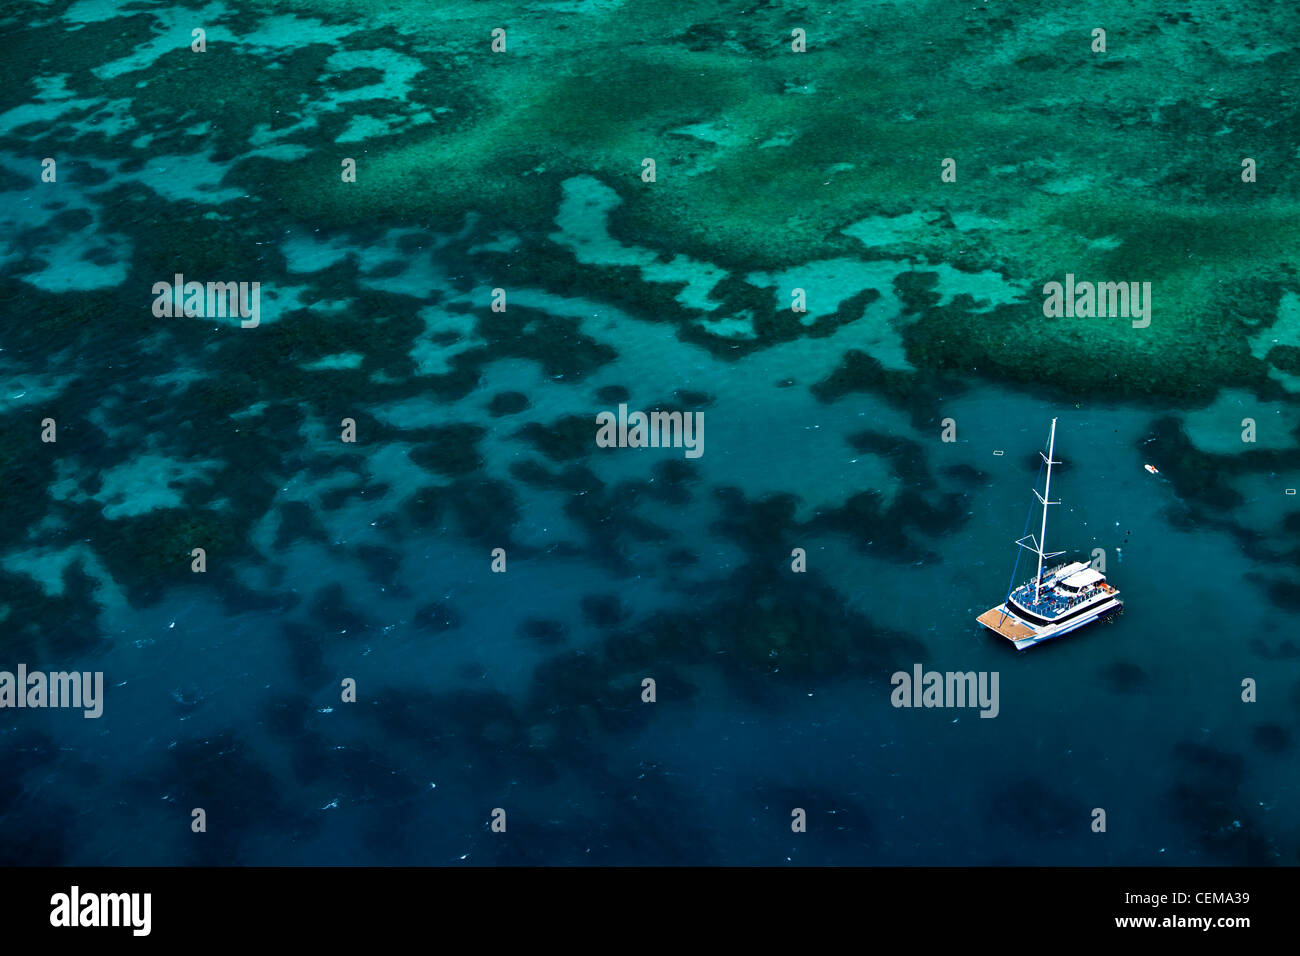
x=1005 y=624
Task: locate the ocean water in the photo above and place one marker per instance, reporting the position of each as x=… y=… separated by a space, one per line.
x=824 y=430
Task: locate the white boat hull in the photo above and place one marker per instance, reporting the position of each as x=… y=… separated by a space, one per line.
x=1023 y=634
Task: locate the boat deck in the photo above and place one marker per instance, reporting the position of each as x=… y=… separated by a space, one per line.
x=1053 y=603
x=995 y=619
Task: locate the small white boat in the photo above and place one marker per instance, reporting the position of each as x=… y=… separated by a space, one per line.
x=1056 y=601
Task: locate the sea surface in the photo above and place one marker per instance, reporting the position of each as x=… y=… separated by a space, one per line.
x=891 y=431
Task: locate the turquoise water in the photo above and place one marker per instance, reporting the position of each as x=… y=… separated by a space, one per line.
x=824 y=431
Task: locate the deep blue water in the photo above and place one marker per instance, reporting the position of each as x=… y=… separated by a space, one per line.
x=475 y=430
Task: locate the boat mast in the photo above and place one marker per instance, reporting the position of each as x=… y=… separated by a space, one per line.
x=1047 y=493
x=1029 y=539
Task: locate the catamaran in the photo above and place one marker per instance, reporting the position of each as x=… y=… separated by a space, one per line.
x=1056 y=601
